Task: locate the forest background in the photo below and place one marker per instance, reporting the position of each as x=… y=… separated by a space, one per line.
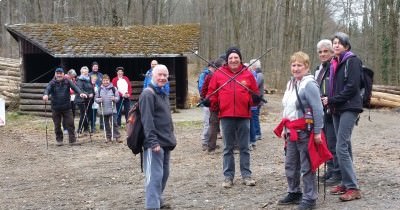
x=252 y=25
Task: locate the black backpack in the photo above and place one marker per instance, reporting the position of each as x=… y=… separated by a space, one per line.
x=367 y=80
x=134 y=131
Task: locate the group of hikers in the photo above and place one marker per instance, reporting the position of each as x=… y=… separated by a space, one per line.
x=327 y=103
x=94 y=94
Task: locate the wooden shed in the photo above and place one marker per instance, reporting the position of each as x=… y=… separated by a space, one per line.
x=43 y=47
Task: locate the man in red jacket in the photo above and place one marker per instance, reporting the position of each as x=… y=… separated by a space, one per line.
x=124 y=87
x=234 y=99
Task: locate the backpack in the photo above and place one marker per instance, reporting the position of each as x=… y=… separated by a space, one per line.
x=202 y=78
x=367 y=80
x=134 y=131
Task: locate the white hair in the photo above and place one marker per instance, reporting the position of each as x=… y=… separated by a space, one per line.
x=159 y=67
x=325 y=43
x=84 y=68
x=255 y=63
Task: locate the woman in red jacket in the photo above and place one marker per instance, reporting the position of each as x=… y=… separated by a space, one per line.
x=124 y=87
x=231 y=89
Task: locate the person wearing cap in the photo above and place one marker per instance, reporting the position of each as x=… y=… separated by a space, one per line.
x=345 y=103
x=59 y=89
x=148 y=76
x=325 y=54
x=233 y=97
x=124 y=87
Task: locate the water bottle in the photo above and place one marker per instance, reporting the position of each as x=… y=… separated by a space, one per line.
x=309 y=119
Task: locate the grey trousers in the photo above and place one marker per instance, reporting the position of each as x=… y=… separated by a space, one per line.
x=236 y=130
x=329 y=129
x=156 y=167
x=344 y=124
x=297 y=163
x=205 y=136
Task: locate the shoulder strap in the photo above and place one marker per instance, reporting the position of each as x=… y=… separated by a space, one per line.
x=298 y=98
x=345 y=69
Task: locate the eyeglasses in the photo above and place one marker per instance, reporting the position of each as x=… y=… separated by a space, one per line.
x=323 y=51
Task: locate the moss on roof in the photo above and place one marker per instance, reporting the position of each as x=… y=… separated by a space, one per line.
x=77 y=41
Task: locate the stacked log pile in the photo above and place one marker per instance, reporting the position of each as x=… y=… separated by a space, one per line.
x=10 y=78
x=31 y=99
x=385 y=96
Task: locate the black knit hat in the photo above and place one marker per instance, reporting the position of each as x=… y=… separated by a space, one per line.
x=233 y=50
x=343 y=39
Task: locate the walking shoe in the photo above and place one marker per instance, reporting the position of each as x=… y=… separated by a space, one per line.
x=351 y=194
x=204 y=147
x=165 y=206
x=228 y=183
x=325 y=176
x=248 y=181
x=338 y=190
x=333 y=180
x=59 y=143
x=75 y=143
x=291 y=198
x=306 y=206
x=250 y=147
x=118 y=140
x=258 y=137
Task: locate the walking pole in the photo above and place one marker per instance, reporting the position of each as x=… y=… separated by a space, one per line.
x=87 y=120
x=112 y=121
x=45 y=115
x=85 y=117
x=102 y=113
x=120 y=106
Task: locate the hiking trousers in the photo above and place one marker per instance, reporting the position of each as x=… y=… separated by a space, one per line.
x=236 y=130
x=206 y=125
x=213 y=130
x=66 y=117
x=344 y=124
x=333 y=164
x=156 y=168
x=297 y=164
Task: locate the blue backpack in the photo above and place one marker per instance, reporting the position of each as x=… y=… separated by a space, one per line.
x=202 y=78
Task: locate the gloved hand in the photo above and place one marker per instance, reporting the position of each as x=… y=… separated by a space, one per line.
x=256 y=99
x=206 y=102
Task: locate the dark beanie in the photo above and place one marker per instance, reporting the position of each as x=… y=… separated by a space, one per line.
x=233 y=50
x=343 y=39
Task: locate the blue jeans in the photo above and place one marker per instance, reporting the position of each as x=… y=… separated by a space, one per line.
x=344 y=124
x=236 y=130
x=254 y=124
x=125 y=104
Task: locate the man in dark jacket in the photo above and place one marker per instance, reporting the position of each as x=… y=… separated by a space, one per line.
x=159 y=137
x=59 y=88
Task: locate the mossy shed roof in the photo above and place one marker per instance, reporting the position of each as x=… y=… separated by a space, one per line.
x=60 y=40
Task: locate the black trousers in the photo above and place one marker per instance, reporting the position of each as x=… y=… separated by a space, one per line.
x=64 y=116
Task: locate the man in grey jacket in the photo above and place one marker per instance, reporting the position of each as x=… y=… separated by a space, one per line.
x=159 y=136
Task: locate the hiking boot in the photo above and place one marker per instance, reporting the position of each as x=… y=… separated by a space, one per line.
x=338 y=190
x=306 y=206
x=248 y=181
x=228 y=183
x=204 y=147
x=291 y=198
x=333 y=180
x=165 y=206
x=75 y=143
x=59 y=143
x=351 y=194
x=258 y=137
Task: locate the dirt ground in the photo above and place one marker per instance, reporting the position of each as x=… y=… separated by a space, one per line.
x=96 y=175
